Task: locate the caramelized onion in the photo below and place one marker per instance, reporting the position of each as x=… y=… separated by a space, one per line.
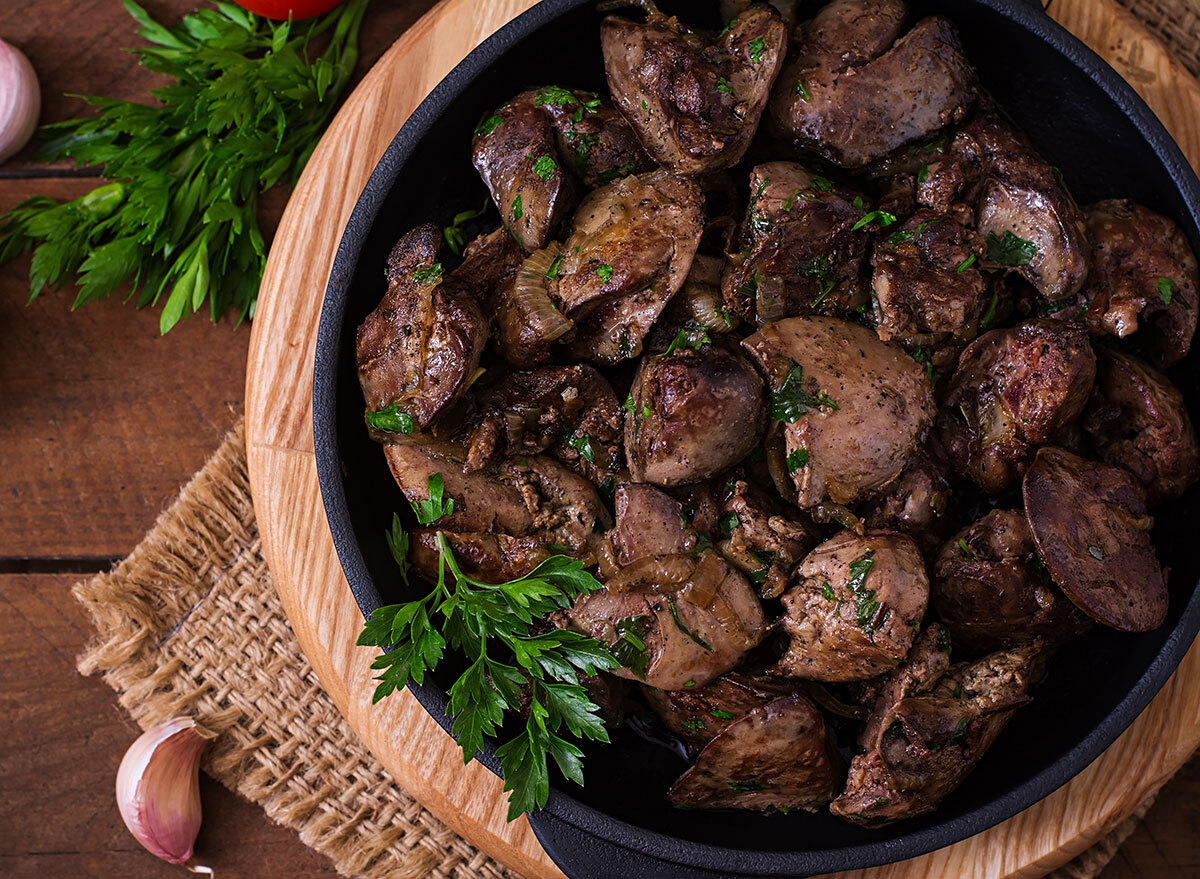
x=770 y=303
x=665 y=573
x=774 y=446
x=996 y=425
x=531 y=295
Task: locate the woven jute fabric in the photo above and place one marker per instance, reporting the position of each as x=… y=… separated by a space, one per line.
x=1176 y=23
x=190 y=624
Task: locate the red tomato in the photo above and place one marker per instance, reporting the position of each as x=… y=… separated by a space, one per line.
x=281 y=9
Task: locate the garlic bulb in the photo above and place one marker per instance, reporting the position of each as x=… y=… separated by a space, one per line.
x=20 y=100
x=158 y=789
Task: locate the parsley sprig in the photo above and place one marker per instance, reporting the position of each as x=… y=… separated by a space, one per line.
x=491 y=624
x=179 y=221
x=791 y=400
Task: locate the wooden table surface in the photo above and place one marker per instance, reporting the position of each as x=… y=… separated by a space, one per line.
x=101 y=422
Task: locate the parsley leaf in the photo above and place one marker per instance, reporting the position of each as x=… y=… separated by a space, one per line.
x=249 y=99
x=966 y=548
x=1166 y=289
x=397 y=541
x=791 y=400
x=604 y=273
x=923 y=356
x=455 y=237
x=390 y=419
x=796 y=459
x=724 y=88
x=437 y=506
x=428 y=275
x=556 y=96
x=517 y=210
x=757 y=46
x=966 y=263
x=681 y=627
x=694 y=338
x=630 y=649
x=582 y=443
x=867 y=605
x=990 y=314
x=545 y=167
x=802 y=90
x=880 y=218
x=487 y=126
x=1009 y=250
x=821 y=184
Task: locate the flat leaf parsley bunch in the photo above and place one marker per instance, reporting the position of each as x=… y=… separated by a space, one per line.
x=492 y=625
x=180 y=219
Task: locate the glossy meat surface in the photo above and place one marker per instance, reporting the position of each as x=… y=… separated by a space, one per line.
x=856 y=90
x=694 y=104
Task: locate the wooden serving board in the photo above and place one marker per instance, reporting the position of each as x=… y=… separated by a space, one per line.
x=299 y=549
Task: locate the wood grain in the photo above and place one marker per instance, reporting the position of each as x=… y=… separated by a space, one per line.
x=63 y=737
x=318 y=602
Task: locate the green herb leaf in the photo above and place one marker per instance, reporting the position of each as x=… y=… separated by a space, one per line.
x=630 y=648
x=757 y=46
x=429 y=275
x=604 y=273
x=517 y=210
x=397 y=541
x=245 y=103
x=924 y=357
x=960 y=730
x=556 y=96
x=990 y=314
x=729 y=522
x=454 y=234
x=827 y=592
x=966 y=263
x=821 y=184
x=802 y=90
x=751 y=785
x=552 y=272
x=694 y=338
x=721 y=714
x=1166 y=289
x=791 y=400
x=437 y=506
x=724 y=88
x=923 y=174
x=582 y=443
x=796 y=459
x=1009 y=250
x=390 y=419
x=867 y=606
x=487 y=126
x=880 y=218
x=545 y=167
x=681 y=627
x=966 y=549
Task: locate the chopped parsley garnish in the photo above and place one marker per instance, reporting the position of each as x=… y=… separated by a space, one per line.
x=582 y=443
x=923 y=356
x=797 y=193
x=751 y=785
x=821 y=184
x=1047 y=308
x=1009 y=250
x=437 y=506
x=518 y=211
x=944 y=640
x=966 y=263
x=1166 y=289
x=390 y=420
x=694 y=725
x=729 y=522
x=966 y=550
x=607 y=177
x=583 y=146
x=900 y=236
x=681 y=627
x=821 y=269
x=791 y=400
x=724 y=88
x=867 y=605
x=960 y=730
x=428 y=274
x=455 y=237
x=923 y=174
x=990 y=314
x=545 y=167
x=757 y=46
x=694 y=338
x=728 y=28
x=557 y=96
x=552 y=272
x=630 y=646
x=796 y=459
x=880 y=218
x=722 y=714
x=759 y=222
x=487 y=126
x=827 y=591
x=802 y=91
x=638 y=417
x=689 y=683
x=880 y=802
x=604 y=273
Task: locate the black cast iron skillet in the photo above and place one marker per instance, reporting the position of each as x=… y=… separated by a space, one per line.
x=1085 y=119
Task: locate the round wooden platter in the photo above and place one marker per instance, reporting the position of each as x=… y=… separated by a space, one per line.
x=299 y=549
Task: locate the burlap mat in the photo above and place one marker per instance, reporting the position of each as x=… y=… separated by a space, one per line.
x=190 y=624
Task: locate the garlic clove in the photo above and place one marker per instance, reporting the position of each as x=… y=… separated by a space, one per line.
x=20 y=100
x=158 y=788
